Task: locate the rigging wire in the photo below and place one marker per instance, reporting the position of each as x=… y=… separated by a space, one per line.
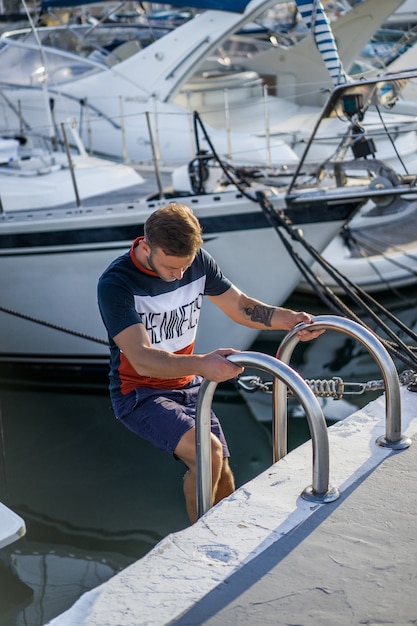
x=391 y=139
x=280 y=221
x=364 y=301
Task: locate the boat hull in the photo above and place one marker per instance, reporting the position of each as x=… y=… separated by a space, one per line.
x=377 y=252
x=50 y=264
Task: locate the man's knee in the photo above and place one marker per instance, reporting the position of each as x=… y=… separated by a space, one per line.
x=186 y=449
x=216 y=454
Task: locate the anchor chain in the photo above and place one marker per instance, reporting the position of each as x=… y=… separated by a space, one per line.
x=334 y=388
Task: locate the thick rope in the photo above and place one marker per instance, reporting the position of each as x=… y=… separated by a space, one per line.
x=36 y=320
x=360 y=297
x=278 y=220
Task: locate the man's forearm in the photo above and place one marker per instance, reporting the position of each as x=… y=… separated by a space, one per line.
x=161 y=364
x=260 y=315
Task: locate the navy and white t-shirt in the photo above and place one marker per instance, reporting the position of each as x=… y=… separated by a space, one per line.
x=128 y=294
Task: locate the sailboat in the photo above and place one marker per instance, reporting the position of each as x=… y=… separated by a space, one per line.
x=35 y=174
x=133 y=96
x=377 y=250
x=51 y=259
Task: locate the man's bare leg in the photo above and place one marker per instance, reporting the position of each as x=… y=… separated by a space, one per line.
x=222 y=477
x=226 y=484
x=189 y=489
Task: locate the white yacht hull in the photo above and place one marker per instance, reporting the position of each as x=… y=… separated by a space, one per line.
x=50 y=265
x=381 y=254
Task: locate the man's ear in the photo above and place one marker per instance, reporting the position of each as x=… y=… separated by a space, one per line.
x=145 y=246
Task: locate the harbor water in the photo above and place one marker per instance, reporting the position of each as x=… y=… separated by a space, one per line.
x=95 y=498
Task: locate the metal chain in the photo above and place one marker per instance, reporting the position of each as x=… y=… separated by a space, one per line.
x=409 y=378
x=335 y=388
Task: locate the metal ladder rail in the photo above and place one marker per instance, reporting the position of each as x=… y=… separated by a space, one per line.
x=393 y=438
x=320 y=490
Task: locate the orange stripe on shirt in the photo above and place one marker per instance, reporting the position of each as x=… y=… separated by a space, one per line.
x=131 y=380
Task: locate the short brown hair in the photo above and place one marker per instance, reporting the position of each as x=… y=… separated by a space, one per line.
x=175 y=230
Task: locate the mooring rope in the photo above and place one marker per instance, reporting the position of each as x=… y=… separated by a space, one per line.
x=63 y=329
x=280 y=220
x=361 y=298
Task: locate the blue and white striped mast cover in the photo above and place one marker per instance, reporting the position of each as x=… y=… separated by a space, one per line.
x=315 y=18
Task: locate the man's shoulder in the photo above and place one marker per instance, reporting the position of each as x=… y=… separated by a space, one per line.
x=116 y=272
x=204 y=264
x=118 y=264
x=204 y=257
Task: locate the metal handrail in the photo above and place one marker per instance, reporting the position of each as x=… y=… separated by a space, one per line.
x=393 y=438
x=320 y=490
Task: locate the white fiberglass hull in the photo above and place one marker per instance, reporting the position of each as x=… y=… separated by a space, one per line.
x=49 y=271
x=377 y=252
x=380 y=272
x=47 y=181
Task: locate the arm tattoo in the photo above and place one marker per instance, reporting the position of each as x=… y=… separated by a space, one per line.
x=259 y=313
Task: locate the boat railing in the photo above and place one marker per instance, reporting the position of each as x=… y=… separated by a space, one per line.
x=351 y=101
x=319 y=490
x=286 y=377
x=393 y=437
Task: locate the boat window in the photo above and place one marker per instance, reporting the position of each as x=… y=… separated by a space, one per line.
x=28 y=65
x=68 y=52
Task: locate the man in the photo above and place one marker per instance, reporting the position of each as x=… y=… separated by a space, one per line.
x=154 y=374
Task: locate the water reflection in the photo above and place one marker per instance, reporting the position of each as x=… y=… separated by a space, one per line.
x=94 y=497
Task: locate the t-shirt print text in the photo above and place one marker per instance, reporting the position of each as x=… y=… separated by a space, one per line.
x=174 y=323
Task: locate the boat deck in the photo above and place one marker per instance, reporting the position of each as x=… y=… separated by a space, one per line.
x=267 y=556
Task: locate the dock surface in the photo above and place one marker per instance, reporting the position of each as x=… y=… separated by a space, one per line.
x=353 y=562
x=268 y=556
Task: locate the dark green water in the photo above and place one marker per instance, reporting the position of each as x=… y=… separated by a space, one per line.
x=96 y=498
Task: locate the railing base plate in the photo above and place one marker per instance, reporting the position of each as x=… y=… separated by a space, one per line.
x=401 y=444
x=330 y=495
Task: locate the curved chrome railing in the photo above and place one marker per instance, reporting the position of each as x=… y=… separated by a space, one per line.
x=285 y=376
x=393 y=437
x=320 y=490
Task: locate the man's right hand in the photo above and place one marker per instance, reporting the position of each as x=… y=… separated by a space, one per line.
x=217 y=367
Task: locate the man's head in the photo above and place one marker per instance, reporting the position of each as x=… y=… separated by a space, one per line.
x=175 y=230
x=172 y=239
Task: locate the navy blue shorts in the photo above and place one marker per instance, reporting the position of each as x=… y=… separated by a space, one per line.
x=163 y=416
